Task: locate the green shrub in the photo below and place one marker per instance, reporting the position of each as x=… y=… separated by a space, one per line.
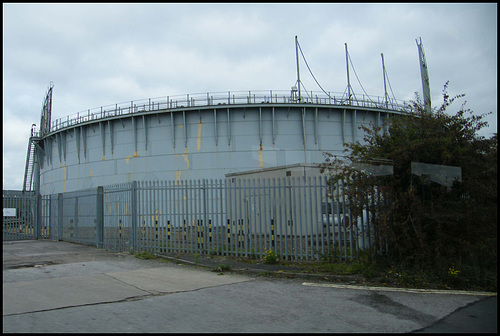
x=270 y=257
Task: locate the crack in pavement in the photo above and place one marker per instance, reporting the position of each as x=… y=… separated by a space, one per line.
x=132 y=298
x=127 y=299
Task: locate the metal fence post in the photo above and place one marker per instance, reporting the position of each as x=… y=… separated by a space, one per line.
x=134 y=214
x=60 y=201
x=100 y=217
x=52 y=218
x=76 y=221
x=37 y=229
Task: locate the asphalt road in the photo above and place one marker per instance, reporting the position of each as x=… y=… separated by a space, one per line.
x=63 y=287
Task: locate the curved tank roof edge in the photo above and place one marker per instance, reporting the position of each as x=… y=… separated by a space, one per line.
x=221 y=106
x=225 y=99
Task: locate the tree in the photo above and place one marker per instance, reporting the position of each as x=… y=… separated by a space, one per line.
x=427 y=224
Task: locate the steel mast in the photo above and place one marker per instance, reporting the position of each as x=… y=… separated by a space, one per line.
x=385 y=86
x=425 y=76
x=297 y=57
x=348 y=80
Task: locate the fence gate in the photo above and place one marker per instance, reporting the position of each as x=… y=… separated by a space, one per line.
x=19 y=218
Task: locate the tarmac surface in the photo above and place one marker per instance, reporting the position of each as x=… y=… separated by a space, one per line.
x=53 y=286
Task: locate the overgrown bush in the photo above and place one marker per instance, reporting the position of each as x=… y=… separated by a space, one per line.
x=429 y=226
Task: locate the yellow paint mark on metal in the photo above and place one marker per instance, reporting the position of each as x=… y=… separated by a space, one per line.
x=103 y=158
x=180 y=126
x=91 y=173
x=261 y=159
x=198 y=140
x=177 y=176
x=186 y=157
x=127 y=158
x=155 y=216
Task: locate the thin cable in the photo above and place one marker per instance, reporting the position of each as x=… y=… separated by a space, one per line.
x=343 y=94
x=350 y=60
x=390 y=87
x=311 y=71
x=307 y=93
x=304 y=87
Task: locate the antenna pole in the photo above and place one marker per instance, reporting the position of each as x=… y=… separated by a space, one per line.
x=348 y=80
x=425 y=76
x=385 y=86
x=297 y=56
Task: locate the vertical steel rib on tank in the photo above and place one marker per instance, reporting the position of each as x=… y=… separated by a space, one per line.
x=201 y=136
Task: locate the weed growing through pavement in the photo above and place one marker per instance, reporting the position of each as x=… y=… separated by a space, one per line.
x=270 y=257
x=221 y=268
x=145 y=255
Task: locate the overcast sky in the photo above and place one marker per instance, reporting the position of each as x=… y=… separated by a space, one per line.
x=102 y=54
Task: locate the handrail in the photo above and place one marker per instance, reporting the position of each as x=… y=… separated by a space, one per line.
x=217 y=99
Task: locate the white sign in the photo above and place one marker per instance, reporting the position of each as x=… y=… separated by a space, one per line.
x=9 y=212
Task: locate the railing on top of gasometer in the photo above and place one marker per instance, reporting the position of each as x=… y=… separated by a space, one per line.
x=218 y=99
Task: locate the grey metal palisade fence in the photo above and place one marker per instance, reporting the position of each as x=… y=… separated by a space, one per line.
x=19 y=213
x=293 y=217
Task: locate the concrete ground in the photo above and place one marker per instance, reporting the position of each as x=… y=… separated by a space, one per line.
x=63 y=287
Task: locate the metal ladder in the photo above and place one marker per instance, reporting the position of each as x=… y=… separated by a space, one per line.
x=30 y=162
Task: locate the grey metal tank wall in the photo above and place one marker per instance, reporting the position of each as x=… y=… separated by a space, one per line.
x=200 y=143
